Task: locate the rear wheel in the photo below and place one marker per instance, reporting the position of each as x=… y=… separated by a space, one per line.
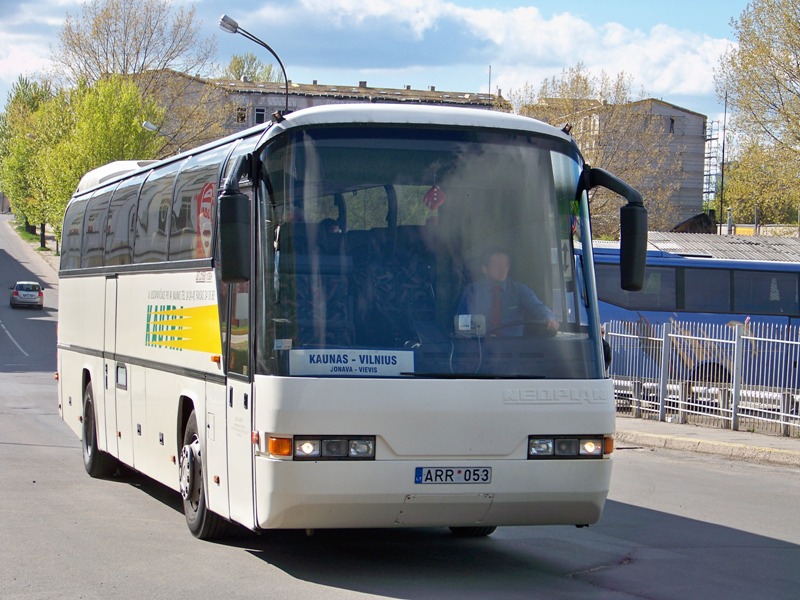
x=471 y=532
x=96 y=462
x=203 y=523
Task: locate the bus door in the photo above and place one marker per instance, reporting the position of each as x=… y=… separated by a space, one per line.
x=119 y=435
x=239 y=407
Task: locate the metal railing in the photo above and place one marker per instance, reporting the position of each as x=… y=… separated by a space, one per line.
x=742 y=376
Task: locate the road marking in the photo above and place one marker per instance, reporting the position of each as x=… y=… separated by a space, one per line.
x=11 y=337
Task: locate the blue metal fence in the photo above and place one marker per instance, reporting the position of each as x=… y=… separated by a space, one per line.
x=740 y=376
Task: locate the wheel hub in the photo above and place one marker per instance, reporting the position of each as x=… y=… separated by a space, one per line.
x=189 y=472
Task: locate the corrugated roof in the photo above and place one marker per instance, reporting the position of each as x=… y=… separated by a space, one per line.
x=732 y=247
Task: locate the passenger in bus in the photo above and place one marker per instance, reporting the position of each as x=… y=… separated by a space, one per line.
x=329 y=236
x=506 y=303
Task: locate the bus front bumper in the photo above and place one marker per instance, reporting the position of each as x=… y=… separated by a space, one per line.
x=383 y=494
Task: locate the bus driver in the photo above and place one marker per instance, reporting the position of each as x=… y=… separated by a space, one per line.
x=506 y=303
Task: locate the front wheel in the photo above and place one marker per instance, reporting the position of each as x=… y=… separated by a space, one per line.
x=472 y=532
x=203 y=523
x=96 y=462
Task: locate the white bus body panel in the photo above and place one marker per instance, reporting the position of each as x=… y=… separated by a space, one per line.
x=414 y=424
x=164 y=337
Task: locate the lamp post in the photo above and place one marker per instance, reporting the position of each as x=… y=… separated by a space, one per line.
x=157 y=130
x=229 y=25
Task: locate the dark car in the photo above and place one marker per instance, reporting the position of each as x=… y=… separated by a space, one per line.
x=27 y=293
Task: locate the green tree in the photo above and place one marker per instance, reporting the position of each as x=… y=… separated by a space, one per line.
x=758 y=178
x=248 y=67
x=90 y=127
x=615 y=130
x=20 y=141
x=760 y=78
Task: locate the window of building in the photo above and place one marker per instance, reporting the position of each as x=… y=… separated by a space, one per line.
x=261 y=115
x=241 y=114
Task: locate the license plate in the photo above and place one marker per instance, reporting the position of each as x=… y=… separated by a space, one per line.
x=453 y=475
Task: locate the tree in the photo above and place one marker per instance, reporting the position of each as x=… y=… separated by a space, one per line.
x=129 y=38
x=53 y=139
x=90 y=127
x=248 y=67
x=614 y=131
x=757 y=178
x=21 y=141
x=157 y=46
x=760 y=78
x=761 y=74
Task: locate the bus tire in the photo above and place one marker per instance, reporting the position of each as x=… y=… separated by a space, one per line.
x=472 y=532
x=203 y=524
x=97 y=463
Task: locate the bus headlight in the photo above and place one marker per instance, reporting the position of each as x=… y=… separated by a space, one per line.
x=334 y=447
x=541 y=447
x=306 y=448
x=362 y=448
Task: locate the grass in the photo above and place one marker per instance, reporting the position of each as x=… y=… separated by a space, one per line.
x=32 y=238
x=28 y=237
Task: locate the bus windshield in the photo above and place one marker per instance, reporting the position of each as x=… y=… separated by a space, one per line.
x=387 y=251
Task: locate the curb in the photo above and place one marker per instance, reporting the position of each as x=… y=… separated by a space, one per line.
x=743 y=452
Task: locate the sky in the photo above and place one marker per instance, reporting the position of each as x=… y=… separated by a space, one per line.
x=669 y=49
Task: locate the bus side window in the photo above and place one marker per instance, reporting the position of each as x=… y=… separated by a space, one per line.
x=191 y=225
x=765 y=293
x=121 y=224
x=152 y=225
x=93 y=245
x=707 y=290
x=72 y=234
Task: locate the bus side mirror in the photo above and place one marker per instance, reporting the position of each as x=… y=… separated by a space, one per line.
x=233 y=230
x=632 y=246
x=234 y=237
x=633 y=229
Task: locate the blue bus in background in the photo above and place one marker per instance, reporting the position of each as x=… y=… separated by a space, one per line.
x=703 y=297
x=711 y=290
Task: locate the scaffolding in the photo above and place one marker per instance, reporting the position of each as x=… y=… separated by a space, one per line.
x=711 y=167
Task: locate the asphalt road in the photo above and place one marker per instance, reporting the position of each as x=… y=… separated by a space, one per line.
x=677 y=525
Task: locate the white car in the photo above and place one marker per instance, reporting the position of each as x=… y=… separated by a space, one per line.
x=27 y=293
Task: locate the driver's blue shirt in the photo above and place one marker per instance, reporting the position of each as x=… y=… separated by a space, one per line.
x=518 y=303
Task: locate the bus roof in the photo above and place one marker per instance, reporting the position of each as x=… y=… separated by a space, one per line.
x=420 y=114
x=345 y=114
x=107 y=172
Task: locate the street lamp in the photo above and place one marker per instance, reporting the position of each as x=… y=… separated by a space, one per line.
x=157 y=130
x=231 y=26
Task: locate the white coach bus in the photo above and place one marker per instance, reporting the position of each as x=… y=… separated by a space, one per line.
x=270 y=324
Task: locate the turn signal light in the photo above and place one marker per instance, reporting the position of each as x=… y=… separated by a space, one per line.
x=280 y=446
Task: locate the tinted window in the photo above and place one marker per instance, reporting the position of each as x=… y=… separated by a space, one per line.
x=72 y=234
x=765 y=293
x=121 y=223
x=192 y=221
x=658 y=292
x=707 y=290
x=94 y=225
x=152 y=225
